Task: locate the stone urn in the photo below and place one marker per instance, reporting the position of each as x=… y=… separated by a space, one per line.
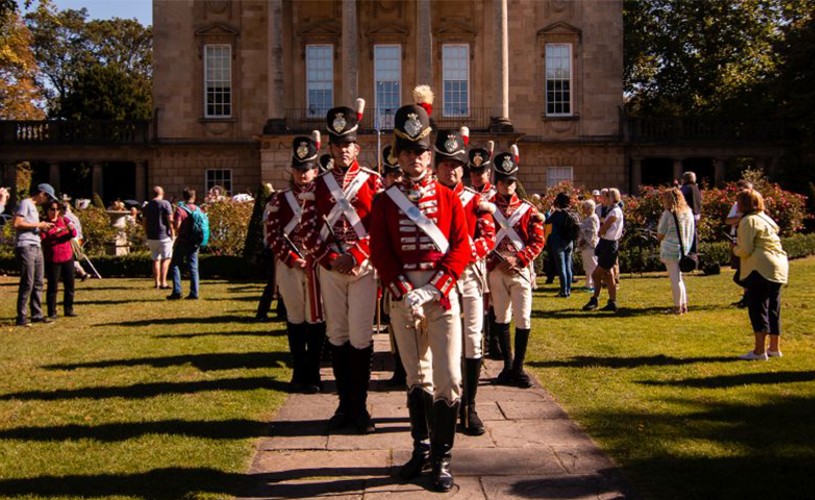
x=120 y=245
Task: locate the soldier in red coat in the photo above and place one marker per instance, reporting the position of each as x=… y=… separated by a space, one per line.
x=337 y=237
x=518 y=241
x=451 y=156
x=420 y=247
x=296 y=276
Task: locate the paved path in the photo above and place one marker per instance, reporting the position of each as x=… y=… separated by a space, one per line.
x=531 y=449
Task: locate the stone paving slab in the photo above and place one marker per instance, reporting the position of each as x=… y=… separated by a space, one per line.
x=531 y=449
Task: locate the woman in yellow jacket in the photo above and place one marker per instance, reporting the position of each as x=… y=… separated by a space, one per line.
x=763 y=270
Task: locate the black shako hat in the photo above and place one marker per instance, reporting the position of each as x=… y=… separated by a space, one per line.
x=506 y=165
x=452 y=145
x=480 y=159
x=389 y=163
x=304 y=151
x=411 y=128
x=342 y=122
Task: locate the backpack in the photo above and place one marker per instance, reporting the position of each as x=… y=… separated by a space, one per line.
x=571 y=226
x=199 y=232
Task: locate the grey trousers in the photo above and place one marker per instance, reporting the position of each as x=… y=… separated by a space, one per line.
x=32 y=269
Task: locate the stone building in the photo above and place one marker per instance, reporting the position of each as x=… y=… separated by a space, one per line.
x=234 y=81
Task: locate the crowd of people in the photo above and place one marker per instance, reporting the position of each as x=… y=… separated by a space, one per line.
x=452 y=264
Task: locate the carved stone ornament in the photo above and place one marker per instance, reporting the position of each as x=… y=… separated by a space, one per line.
x=339 y=122
x=302 y=150
x=217 y=6
x=478 y=159
x=450 y=144
x=413 y=126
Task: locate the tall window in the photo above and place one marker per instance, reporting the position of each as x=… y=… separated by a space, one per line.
x=218 y=177
x=218 y=81
x=456 y=71
x=388 y=83
x=319 y=79
x=556 y=175
x=558 y=79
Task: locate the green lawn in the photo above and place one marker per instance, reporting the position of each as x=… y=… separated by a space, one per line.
x=142 y=398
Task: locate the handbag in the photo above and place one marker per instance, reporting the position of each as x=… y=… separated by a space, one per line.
x=687 y=262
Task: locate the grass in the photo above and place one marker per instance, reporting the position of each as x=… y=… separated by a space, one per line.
x=143 y=398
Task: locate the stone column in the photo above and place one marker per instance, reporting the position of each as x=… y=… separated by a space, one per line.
x=350 y=61
x=53 y=175
x=141 y=181
x=636 y=174
x=678 y=169
x=424 y=43
x=500 y=83
x=97 y=182
x=718 y=171
x=276 y=122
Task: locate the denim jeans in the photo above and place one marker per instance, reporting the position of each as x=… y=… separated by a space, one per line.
x=184 y=251
x=32 y=269
x=565 y=269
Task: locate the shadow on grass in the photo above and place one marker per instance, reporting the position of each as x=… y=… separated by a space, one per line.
x=632 y=362
x=149 y=390
x=725 y=381
x=270 y=333
x=120 y=431
x=181 y=321
x=204 y=362
x=623 y=312
x=116 y=301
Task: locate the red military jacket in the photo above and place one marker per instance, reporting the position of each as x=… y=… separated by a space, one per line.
x=399 y=245
x=480 y=224
x=280 y=215
x=529 y=229
x=324 y=250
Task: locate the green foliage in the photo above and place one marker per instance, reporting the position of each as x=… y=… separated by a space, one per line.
x=96 y=229
x=228 y=226
x=253 y=248
x=107 y=93
x=97 y=201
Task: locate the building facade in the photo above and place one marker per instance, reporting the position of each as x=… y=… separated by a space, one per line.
x=234 y=81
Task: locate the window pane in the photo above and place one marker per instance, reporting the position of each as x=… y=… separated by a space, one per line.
x=388 y=83
x=556 y=175
x=558 y=79
x=319 y=79
x=456 y=75
x=219 y=177
x=218 y=80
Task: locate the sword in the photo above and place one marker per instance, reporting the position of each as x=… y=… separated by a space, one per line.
x=517 y=271
x=292 y=246
x=340 y=244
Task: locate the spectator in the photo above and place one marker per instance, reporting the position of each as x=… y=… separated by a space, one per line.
x=600 y=203
x=4 y=195
x=763 y=269
x=693 y=197
x=216 y=193
x=607 y=251
x=732 y=220
x=28 y=249
x=59 y=260
x=676 y=220
x=76 y=242
x=184 y=249
x=560 y=242
x=269 y=262
x=587 y=240
x=158 y=227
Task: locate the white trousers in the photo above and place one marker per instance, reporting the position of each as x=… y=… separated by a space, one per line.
x=470 y=288
x=293 y=286
x=680 y=294
x=431 y=353
x=511 y=297
x=349 y=302
x=589 y=264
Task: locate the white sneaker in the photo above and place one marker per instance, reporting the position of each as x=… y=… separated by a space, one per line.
x=752 y=356
x=775 y=354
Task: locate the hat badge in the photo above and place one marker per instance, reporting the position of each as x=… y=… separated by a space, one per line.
x=478 y=159
x=507 y=164
x=413 y=126
x=339 y=122
x=302 y=150
x=450 y=144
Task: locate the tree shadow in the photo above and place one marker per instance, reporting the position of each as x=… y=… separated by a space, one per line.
x=180 y=321
x=149 y=390
x=725 y=381
x=204 y=362
x=270 y=333
x=622 y=312
x=300 y=428
x=629 y=362
x=606 y=483
x=116 y=301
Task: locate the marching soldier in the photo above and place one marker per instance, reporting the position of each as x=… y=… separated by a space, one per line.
x=296 y=275
x=451 y=156
x=338 y=237
x=518 y=241
x=420 y=246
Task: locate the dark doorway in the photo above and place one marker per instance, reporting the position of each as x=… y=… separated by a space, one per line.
x=40 y=172
x=657 y=171
x=704 y=170
x=119 y=181
x=76 y=179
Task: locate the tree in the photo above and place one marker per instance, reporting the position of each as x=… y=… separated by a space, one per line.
x=20 y=96
x=107 y=93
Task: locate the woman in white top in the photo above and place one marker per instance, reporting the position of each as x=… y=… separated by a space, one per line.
x=587 y=240
x=675 y=210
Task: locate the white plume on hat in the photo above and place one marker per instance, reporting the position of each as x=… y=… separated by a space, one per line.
x=315 y=136
x=490 y=147
x=423 y=95
x=465 y=134
x=516 y=155
x=360 y=108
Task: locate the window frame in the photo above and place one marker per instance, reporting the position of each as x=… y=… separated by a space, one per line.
x=549 y=176
x=377 y=118
x=219 y=181
x=207 y=81
x=468 y=80
x=319 y=112
x=570 y=58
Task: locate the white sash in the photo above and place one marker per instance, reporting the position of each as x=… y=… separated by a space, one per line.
x=297 y=213
x=465 y=196
x=507 y=226
x=416 y=215
x=343 y=204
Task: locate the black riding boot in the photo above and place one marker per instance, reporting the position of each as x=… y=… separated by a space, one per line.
x=315 y=337
x=399 y=378
x=297 y=346
x=341 y=364
x=493 y=340
x=360 y=378
x=521 y=340
x=505 y=377
x=470 y=423
x=420 y=404
x=441 y=443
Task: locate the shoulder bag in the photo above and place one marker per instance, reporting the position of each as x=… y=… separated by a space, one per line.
x=687 y=262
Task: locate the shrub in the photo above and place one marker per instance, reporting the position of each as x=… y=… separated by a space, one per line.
x=96 y=229
x=228 y=226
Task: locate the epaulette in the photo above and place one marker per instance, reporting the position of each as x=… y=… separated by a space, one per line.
x=486 y=206
x=468 y=188
x=370 y=171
